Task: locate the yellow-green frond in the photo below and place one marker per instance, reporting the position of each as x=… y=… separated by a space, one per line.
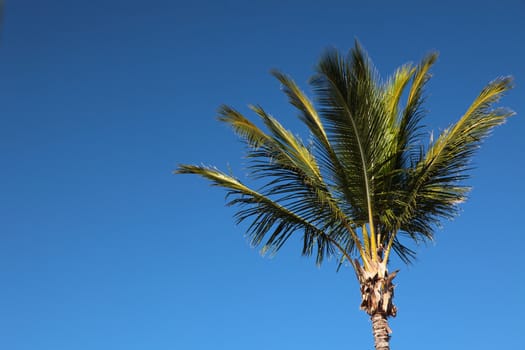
x=421 y=77
x=294 y=147
x=303 y=103
x=242 y=126
x=394 y=89
x=477 y=122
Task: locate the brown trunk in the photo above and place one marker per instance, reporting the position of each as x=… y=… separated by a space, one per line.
x=377 y=293
x=381 y=331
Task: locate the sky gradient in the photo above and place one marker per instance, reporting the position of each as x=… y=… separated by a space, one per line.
x=101 y=247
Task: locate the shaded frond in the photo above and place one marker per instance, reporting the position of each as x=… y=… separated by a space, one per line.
x=339 y=85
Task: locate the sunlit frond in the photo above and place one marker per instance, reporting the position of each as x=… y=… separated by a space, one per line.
x=435 y=186
x=394 y=88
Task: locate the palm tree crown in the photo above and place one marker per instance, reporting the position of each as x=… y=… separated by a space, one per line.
x=368 y=177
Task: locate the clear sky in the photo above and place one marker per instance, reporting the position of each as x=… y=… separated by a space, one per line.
x=101 y=247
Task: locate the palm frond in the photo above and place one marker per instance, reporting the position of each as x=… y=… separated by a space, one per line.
x=434 y=188
x=394 y=88
x=290 y=171
x=297 y=153
x=269 y=218
x=327 y=157
x=339 y=84
x=360 y=121
x=242 y=126
x=410 y=122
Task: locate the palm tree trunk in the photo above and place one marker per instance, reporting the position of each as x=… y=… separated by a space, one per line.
x=377 y=294
x=381 y=331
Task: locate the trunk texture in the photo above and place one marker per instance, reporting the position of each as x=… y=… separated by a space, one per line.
x=377 y=293
x=381 y=331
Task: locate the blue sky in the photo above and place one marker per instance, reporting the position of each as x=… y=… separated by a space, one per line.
x=101 y=247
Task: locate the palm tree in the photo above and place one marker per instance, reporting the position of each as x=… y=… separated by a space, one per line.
x=367 y=182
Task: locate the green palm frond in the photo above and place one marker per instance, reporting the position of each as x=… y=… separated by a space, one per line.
x=434 y=187
x=448 y=158
x=291 y=173
x=269 y=218
x=410 y=122
x=360 y=126
x=336 y=176
x=242 y=126
x=347 y=130
x=394 y=89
